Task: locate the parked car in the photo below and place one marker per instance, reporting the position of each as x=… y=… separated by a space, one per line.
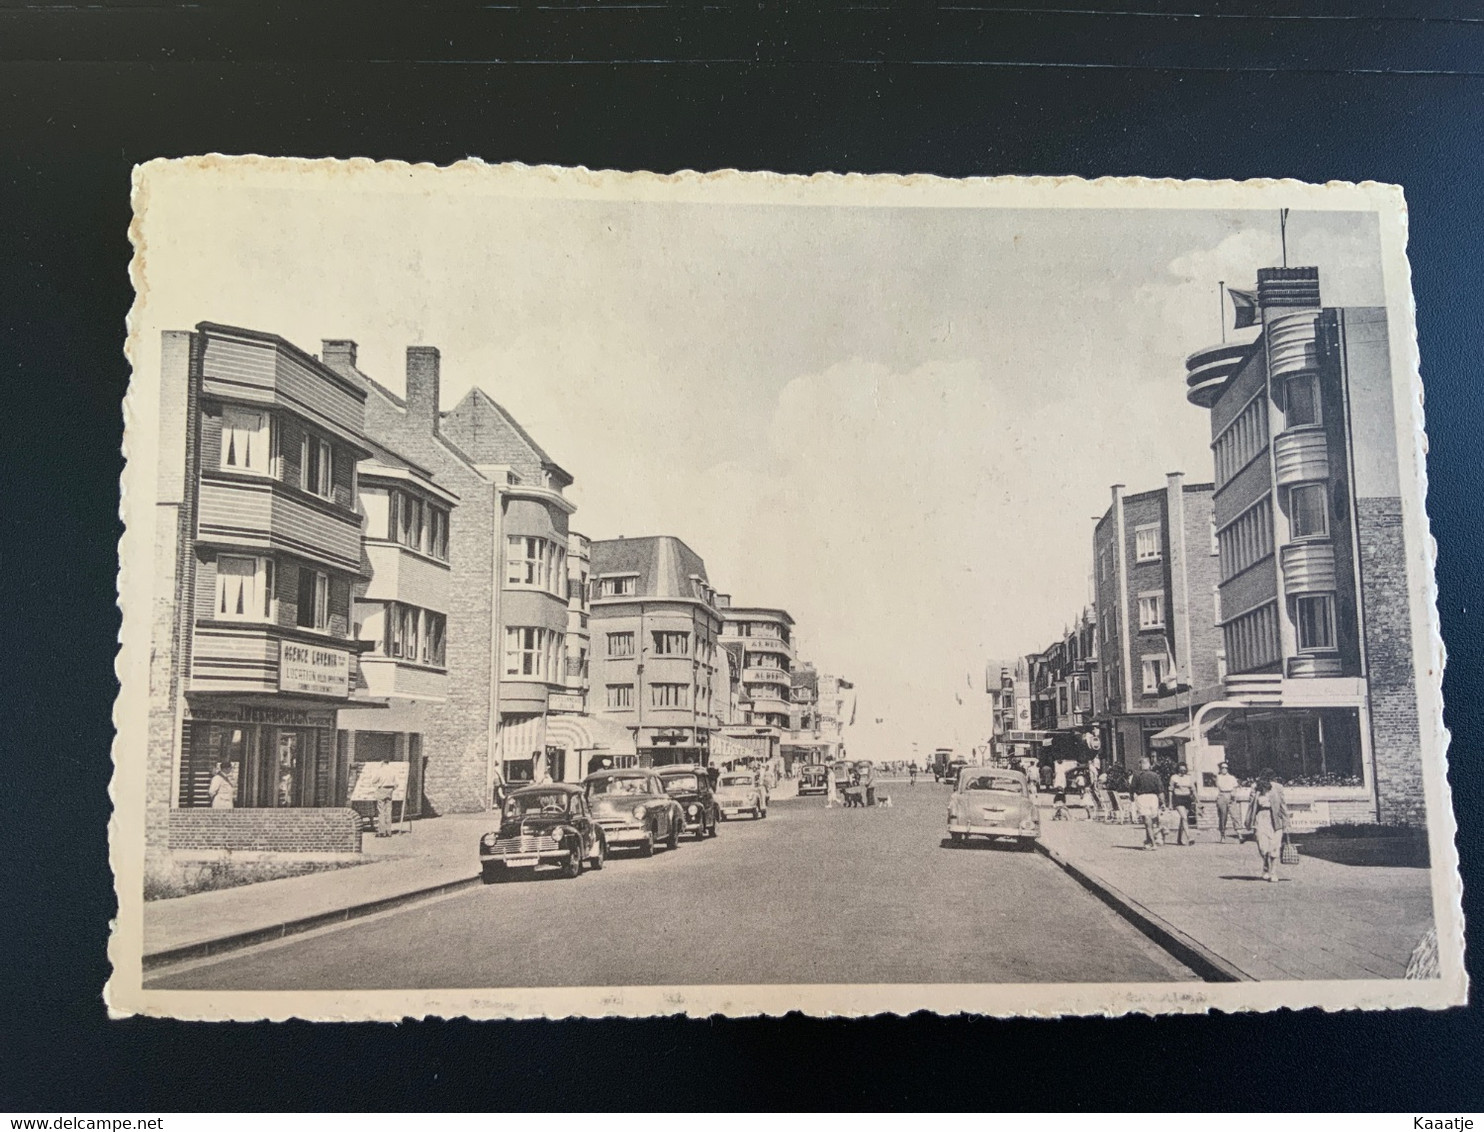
x=952 y=769
x=690 y=786
x=738 y=792
x=543 y=825
x=813 y=780
x=633 y=810
x=993 y=802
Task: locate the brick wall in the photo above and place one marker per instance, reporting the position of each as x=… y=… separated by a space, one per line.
x=283 y=831
x=1395 y=730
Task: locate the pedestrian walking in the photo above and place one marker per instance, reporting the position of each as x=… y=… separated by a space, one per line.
x=830 y=786
x=912 y=775
x=384 y=794
x=223 y=790
x=1267 y=818
x=1148 y=789
x=1182 y=793
x=1226 y=791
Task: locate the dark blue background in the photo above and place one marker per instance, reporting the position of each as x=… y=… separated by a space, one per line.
x=1366 y=89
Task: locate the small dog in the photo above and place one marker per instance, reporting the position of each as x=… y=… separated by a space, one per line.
x=884 y=800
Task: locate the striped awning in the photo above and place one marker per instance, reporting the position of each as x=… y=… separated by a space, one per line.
x=589 y=733
x=522 y=737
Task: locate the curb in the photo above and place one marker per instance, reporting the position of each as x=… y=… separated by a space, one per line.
x=238 y=940
x=1211 y=967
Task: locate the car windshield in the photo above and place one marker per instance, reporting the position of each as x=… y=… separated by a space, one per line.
x=680 y=783
x=525 y=804
x=1003 y=782
x=618 y=786
x=736 y=780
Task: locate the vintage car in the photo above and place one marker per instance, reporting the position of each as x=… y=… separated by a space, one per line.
x=738 y=792
x=813 y=779
x=952 y=770
x=691 y=787
x=992 y=802
x=633 y=809
x=543 y=825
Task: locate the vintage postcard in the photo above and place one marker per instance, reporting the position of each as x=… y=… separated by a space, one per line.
x=551 y=593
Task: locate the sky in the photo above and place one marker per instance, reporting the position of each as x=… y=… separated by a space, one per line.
x=897 y=423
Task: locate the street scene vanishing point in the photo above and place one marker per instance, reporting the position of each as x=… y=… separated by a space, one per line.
x=554 y=593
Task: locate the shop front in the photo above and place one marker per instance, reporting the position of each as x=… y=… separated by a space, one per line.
x=584 y=744
x=279 y=756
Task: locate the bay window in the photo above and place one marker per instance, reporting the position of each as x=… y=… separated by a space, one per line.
x=536 y=562
x=533 y=653
x=1315 y=618
x=669 y=695
x=1303 y=401
x=1309 y=510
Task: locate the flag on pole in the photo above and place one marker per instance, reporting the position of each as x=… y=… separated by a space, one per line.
x=1244 y=304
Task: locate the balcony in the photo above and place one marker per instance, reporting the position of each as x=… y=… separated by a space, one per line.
x=1300 y=455
x=1312 y=666
x=390 y=676
x=1308 y=567
x=1255 y=688
x=1291 y=344
x=775 y=645
x=1207 y=371
x=260 y=513
x=400 y=574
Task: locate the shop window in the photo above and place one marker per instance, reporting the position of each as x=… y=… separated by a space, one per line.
x=1313 y=748
x=244 y=588
x=248 y=440
x=314 y=599
x=1315 y=618
x=1309 y=510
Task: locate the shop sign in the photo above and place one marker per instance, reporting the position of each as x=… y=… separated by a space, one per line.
x=564 y=702
x=246 y=713
x=312 y=670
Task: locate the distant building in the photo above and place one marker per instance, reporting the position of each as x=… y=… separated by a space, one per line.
x=655 y=663
x=1159 y=655
x=760 y=639
x=1314 y=590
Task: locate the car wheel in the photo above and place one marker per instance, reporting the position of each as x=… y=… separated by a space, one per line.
x=957 y=838
x=599 y=857
x=572 y=866
x=492 y=872
x=673 y=841
x=646 y=847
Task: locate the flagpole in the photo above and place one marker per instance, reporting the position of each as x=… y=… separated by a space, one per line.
x=1221 y=309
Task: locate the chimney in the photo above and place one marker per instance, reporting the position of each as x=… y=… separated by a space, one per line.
x=339 y=354
x=422 y=385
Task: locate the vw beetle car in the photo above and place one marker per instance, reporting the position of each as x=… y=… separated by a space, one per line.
x=738 y=792
x=690 y=786
x=992 y=802
x=633 y=810
x=813 y=780
x=543 y=825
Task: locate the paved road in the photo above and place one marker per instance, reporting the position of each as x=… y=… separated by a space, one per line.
x=808 y=895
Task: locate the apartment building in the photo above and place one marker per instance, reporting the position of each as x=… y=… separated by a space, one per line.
x=1155 y=616
x=258 y=549
x=760 y=639
x=1314 y=591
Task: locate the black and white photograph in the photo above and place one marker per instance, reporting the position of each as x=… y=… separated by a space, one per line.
x=550 y=592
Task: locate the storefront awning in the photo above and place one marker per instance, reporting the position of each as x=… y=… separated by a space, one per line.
x=589 y=733
x=1180 y=732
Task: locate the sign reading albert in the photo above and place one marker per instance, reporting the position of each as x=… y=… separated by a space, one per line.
x=313 y=670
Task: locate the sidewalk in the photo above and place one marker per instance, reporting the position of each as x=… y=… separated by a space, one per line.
x=437 y=853
x=1321 y=921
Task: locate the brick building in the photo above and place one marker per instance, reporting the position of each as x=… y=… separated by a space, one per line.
x=258 y=545
x=1158 y=652
x=1313 y=583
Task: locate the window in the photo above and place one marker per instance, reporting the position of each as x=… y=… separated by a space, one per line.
x=1154 y=674
x=618 y=587
x=1103 y=563
x=1308 y=510
x=620 y=695
x=669 y=695
x=438 y=533
x=533 y=653
x=414 y=634
x=671 y=644
x=620 y=644
x=1252 y=639
x=317 y=467
x=535 y=562
x=1151 y=611
x=1303 y=401
x=1247 y=539
x=244 y=588
x=1315 y=615
x=1241 y=441
x=247 y=440
x=434 y=640
x=1146 y=543
x=314 y=599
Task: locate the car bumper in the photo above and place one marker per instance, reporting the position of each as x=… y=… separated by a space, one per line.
x=992 y=829
x=528 y=852
x=619 y=833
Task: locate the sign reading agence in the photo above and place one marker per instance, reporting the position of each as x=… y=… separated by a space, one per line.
x=312 y=670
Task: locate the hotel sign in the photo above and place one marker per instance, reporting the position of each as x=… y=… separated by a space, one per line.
x=312 y=670
x=565 y=702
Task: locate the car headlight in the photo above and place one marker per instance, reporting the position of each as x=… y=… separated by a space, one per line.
x=1028 y=825
x=639 y=812
x=488 y=840
x=693 y=810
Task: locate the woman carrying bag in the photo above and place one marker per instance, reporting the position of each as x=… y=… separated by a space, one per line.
x=1267 y=818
